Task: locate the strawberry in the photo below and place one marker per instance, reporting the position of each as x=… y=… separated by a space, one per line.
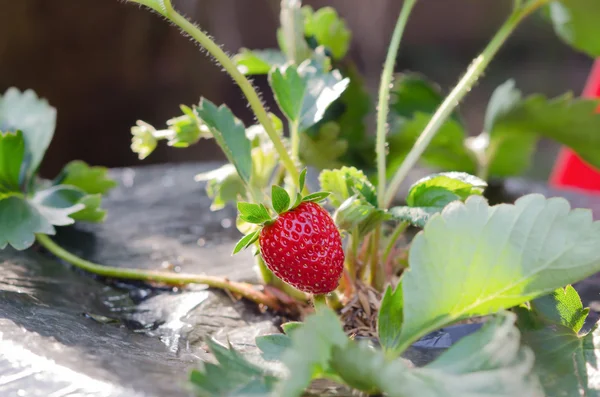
x=303 y=247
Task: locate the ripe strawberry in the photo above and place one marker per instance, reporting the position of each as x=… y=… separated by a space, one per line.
x=303 y=247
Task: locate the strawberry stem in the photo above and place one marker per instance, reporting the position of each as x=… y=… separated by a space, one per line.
x=319 y=300
x=246 y=290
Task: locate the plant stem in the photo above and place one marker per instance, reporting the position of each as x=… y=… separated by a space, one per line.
x=241 y=80
x=392 y=240
x=246 y=290
x=295 y=139
x=384 y=96
x=377 y=266
x=319 y=300
x=465 y=84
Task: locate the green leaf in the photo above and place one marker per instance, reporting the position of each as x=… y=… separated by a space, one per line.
x=253 y=213
x=503 y=154
x=491 y=258
x=253 y=62
x=223 y=185
x=302 y=179
x=346 y=182
x=246 y=241
x=356 y=212
x=342 y=131
x=304 y=93
x=280 y=199
x=576 y=22
x=359 y=366
x=308 y=357
x=446 y=151
x=34 y=117
x=233 y=376
x=19 y=222
x=156 y=5
x=92 y=180
x=324 y=149
x=563 y=307
x=58 y=203
x=291 y=34
x=389 y=323
x=438 y=190
x=326 y=26
x=316 y=197
x=503 y=100
x=489 y=363
x=92 y=211
x=572 y=122
x=12 y=151
x=566 y=362
x=273 y=346
x=230 y=134
x=412 y=93
x=416 y=216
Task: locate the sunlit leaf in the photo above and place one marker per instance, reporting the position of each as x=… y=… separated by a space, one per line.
x=576 y=22
x=491 y=258
x=304 y=93
x=329 y=30
x=92 y=180
x=438 y=190
x=33 y=116
x=291 y=34
x=346 y=182
x=223 y=186
x=230 y=134
x=253 y=62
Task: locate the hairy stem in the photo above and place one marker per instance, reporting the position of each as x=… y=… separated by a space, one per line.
x=246 y=290
x=295 y=139
x=247 y=88
x=465 y=84
x=376 y=275
x=383 y=106
x=392 y=240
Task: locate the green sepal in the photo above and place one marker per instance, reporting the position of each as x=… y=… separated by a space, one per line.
x=280 y=199
x=246 y=241
x=253 y=213
x=302 y=179
x=316 y=197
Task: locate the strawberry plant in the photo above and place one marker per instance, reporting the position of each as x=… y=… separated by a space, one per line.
x=510 y=264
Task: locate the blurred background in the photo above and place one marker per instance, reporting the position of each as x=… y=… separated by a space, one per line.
x=105 y=64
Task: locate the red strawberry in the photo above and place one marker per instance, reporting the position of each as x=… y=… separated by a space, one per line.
x=303 y=247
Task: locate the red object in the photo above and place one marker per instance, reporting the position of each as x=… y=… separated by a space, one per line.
x=303 y=248
x=570 y=171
